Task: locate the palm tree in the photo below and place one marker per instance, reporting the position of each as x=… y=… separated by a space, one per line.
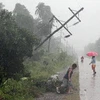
x=44 y=12
x=45 y=17
x=40 y=10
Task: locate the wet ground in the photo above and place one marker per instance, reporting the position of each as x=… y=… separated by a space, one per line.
x=52 y=96
x=55 y=96
x=89 y=84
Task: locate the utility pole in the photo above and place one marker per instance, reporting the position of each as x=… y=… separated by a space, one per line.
x=74 y=13
x=49 y=44
x=58 y=28
x=62 y=24
x=64 y=28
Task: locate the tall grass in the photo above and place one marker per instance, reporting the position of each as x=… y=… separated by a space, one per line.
x=39 y=71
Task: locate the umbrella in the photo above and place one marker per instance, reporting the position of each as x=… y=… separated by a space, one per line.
x=92 y=53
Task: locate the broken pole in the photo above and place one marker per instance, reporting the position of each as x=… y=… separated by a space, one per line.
x=62 y=24
x=75 y=16
x=58 y=28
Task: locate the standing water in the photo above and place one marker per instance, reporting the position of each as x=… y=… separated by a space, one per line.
x=89 y=84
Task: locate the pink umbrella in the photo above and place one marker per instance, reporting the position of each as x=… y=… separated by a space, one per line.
x=92 y=53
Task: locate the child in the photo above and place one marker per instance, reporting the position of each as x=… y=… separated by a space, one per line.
x=93 y=62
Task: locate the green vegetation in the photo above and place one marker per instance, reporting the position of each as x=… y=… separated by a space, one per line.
x=23 y=71
x=48 y=65
x=34 y=85
x=16 y=43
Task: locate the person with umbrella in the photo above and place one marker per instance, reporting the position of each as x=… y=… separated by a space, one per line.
x=93 y=62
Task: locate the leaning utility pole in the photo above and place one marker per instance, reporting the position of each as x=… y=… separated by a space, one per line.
x=54 y=17
x=62 y=24
x=58 y=28
x=74 y=13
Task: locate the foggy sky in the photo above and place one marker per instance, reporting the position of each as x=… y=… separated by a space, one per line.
x=87 y=31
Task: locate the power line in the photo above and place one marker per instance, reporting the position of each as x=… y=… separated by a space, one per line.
x=58 y=28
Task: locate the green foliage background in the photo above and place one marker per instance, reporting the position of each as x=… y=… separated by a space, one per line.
x=23 y=71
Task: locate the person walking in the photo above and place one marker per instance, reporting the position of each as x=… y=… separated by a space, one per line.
x=82 y=59
x=93 y=64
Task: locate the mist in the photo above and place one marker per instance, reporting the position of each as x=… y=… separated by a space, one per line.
x=44 y=38
x=87 y=31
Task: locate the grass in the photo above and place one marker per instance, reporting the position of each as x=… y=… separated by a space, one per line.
x=74 y=96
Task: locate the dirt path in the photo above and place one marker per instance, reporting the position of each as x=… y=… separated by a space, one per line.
x=89 y=84
x=55 y=96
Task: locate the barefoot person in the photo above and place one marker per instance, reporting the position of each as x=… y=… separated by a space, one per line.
x=67 y=79
x=93 y=64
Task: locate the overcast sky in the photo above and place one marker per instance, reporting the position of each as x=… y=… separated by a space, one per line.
x=87 y=31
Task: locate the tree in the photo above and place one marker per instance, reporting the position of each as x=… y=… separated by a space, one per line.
x=23 y=17
x=44 y=16
x=44 y=22
x=21 y=9
x=15 y=44
x=1 y=6
x=97 y=45
x=44 y=12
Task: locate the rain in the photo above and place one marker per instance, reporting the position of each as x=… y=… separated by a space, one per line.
x=41 y=40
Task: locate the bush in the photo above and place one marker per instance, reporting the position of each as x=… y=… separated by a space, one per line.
x=19 y=90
